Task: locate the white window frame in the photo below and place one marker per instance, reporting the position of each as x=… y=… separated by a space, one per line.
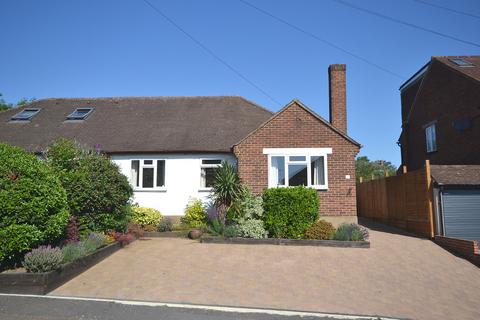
x=308 y=153
x=205 y=166
x=431 y=137
x=140 y=175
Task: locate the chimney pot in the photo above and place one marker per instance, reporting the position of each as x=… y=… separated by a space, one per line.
x=338 y=96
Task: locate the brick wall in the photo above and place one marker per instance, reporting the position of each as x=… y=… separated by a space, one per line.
x=444 y=96
x=296 y=127
x=467 y=249
x=338 y=96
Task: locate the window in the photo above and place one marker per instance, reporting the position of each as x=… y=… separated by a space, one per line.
x=147 y=174
x=431 y=138
x=207 y=172
x=80 y=114
x=25 y=114
x=462 y=62
x=289 y=167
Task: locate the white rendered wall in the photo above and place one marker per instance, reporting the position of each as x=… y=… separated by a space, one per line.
x=182 y=180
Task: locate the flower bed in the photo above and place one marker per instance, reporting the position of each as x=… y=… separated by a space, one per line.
x=42 y=283
x=288 y=242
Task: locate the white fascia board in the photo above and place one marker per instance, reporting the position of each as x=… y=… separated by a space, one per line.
x=297 y=151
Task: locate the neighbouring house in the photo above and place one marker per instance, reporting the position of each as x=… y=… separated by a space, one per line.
x=169 y=147
x=440 y=106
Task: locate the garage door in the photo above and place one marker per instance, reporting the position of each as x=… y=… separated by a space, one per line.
x=461 y=211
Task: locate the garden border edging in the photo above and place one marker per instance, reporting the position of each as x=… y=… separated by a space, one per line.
x=288 y=242
x=43 y=283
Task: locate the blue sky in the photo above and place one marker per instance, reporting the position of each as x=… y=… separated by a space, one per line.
x=123 y=48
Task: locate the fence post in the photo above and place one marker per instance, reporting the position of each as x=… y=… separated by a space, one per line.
x=429 y=198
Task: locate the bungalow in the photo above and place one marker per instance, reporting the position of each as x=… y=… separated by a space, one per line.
x=169 y=147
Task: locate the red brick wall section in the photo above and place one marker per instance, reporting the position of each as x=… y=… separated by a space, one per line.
x=445 y=96
x=467 y=249
x=295 y=127
x=338 y=96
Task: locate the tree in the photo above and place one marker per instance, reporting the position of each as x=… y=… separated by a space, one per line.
x=369 y=170
x=4 y=105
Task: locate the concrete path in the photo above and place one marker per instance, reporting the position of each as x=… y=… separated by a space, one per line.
x=399 y=276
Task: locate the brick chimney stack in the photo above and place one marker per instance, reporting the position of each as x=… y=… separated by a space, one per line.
x=338 y=96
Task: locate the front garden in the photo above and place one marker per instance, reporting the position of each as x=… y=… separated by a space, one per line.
x=62 y=209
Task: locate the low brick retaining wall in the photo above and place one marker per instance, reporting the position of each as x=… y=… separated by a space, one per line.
x=288 y=242
x=43 y=283
x=467 y=249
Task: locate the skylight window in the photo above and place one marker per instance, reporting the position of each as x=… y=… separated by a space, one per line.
x=462 y=62
x=25 y=114
x=80 y=114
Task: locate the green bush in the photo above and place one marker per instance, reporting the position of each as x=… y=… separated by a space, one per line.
x=195 y=214
x=33 y=206
x=231 y=231
x=252 y=228
x=145 y=216
x=43 y=259
x=165 y=225
x=98 y=194
x=320 y=230
x=73 y=251
x=288 y=212
x=348 y=232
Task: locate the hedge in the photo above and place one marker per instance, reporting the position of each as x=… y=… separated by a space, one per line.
x=289 y=212
x=33 y=204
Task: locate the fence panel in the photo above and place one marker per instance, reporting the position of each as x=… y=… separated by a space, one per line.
x=403 y=201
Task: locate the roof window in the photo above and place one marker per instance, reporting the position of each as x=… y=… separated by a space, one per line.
x=80 y=114
x=462 y=62
x=25 y=114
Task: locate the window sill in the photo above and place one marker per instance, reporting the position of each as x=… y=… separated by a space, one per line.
x=320 y=188
x=205 y=190
x=150 y=190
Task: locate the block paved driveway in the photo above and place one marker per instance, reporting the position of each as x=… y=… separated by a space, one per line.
x=399 y=276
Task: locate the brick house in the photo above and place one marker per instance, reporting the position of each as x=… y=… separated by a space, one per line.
x=440 y=107
x=169 y=147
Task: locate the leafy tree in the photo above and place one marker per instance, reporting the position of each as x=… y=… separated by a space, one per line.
x=98 y=193
x=369 y=170
x=4 y=105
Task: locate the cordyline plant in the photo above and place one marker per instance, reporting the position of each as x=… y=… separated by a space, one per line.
x=227 y=189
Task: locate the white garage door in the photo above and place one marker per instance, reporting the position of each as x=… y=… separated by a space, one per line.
x=461 y=211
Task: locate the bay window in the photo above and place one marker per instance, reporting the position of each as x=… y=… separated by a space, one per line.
x=297 y=167
x=148 y=174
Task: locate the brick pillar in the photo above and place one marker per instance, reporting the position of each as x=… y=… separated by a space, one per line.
x=338 y=96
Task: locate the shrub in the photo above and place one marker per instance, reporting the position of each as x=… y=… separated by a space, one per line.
x=252 y=228
x=231 y=231
x=73 y=251
x=165 y=225
x=145 y=216
x=227 y=189
x=94 y=241
x=98 y=194
x=134 y=230
x=216 y=227
x=43 y=259
x=150 y=228
x=124 y=238
x=348 y=232
x=288 y=212
x=72 y=232
x=195 y=214
x=33 y=206
x=321 y=230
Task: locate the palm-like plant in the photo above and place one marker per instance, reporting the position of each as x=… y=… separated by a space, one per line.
x=227 y=189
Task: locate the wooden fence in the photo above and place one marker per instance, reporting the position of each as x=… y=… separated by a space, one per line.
x=403 y=201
